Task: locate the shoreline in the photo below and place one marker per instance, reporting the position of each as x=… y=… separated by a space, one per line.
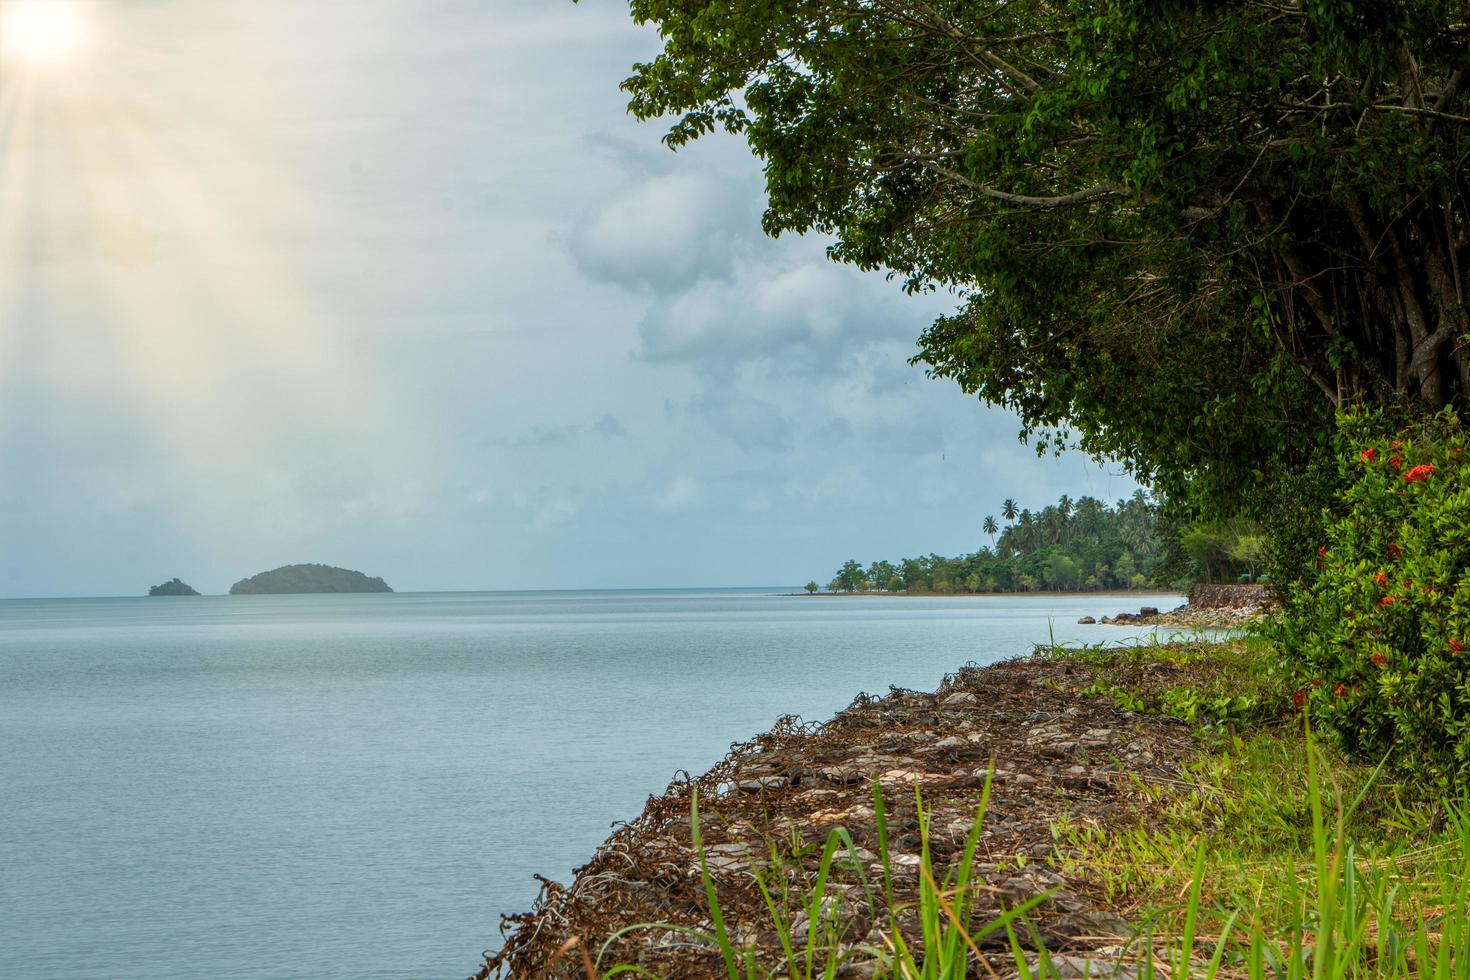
x=1057 y=751
x=980 y=595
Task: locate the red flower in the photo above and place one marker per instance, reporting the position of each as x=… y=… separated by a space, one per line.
x=1456 y=646
x=1421 y=472
x=1337 y=691
x=1387 y=600
x=1394 y=551
x=1368 y=454
x=1322 y=551
x=1381 y=580
x=1396 y=462
x=1299 y=699
x=1379 y=660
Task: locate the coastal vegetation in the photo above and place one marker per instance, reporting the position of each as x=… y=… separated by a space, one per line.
x=1225 y=244
x=302 y=579
x=172 y=587
x=1067 y=546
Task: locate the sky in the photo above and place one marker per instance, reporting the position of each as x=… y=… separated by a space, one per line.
x=398 y=285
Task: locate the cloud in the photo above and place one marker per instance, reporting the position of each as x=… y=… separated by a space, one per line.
x=548 y=436
x=665 y=232
x=609 y=427
x=683 y=493
x=752 y=424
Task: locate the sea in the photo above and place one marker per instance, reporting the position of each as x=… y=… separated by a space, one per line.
x=361 y=785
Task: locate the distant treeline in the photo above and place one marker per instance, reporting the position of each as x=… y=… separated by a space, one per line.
x=1068 y=546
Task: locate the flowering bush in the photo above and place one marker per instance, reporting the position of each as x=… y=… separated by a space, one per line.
x=1376 y=636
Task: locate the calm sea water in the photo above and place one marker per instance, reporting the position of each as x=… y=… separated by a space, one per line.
x=322 y=786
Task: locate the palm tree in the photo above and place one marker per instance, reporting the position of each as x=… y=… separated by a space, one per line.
x=1008 y=509
x=1026 y=532
x=990 y=527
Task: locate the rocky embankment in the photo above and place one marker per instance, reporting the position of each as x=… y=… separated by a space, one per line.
x=1209 y=607
x=1057 y=753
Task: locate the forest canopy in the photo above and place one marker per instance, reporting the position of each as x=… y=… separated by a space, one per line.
x=1182 y=234
x=1080 y=545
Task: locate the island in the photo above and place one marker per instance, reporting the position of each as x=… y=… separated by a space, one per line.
x=307 y=579
x=172 y=587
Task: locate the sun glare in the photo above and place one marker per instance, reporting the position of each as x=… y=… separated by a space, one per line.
x=41 y=32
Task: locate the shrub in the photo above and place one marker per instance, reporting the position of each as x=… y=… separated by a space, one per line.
x=1377 y=633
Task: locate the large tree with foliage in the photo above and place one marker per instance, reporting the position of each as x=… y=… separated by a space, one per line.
x=1183 y=232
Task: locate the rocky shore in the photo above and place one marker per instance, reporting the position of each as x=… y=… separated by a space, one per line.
x=1058 y=752
x=1209 y=607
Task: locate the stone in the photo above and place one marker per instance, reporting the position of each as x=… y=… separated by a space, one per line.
x=1086 y=621
x=1090 y=968
x=1059 y=750
x=1093 y=925
x=840 y=774
x=763 y=783
x=1149 y=611
x=952 y=742
x=901 y=776
x=958 y=700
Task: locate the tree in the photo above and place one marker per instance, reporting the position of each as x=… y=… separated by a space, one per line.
x=1008 y=509
x=990 y=528
x=1247 y=550
x=881 y=573
x=850 y=576
x=1184 y=233
x=811 y=588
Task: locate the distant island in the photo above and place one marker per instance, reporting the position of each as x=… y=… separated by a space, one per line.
x=301 y=579
x=1072 y=545
x=172 y=587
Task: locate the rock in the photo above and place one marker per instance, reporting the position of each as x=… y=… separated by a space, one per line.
x=1059 y=750
x=1149 y=611
x=952 y=742
x=1090 y=967
x=1086 y=621
x=841 y=775
x=958 y=700
x=763 y=783
x=1093 y=925
x=901 y=776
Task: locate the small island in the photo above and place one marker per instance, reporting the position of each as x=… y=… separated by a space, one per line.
x=172 y=587
x=308 y=579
